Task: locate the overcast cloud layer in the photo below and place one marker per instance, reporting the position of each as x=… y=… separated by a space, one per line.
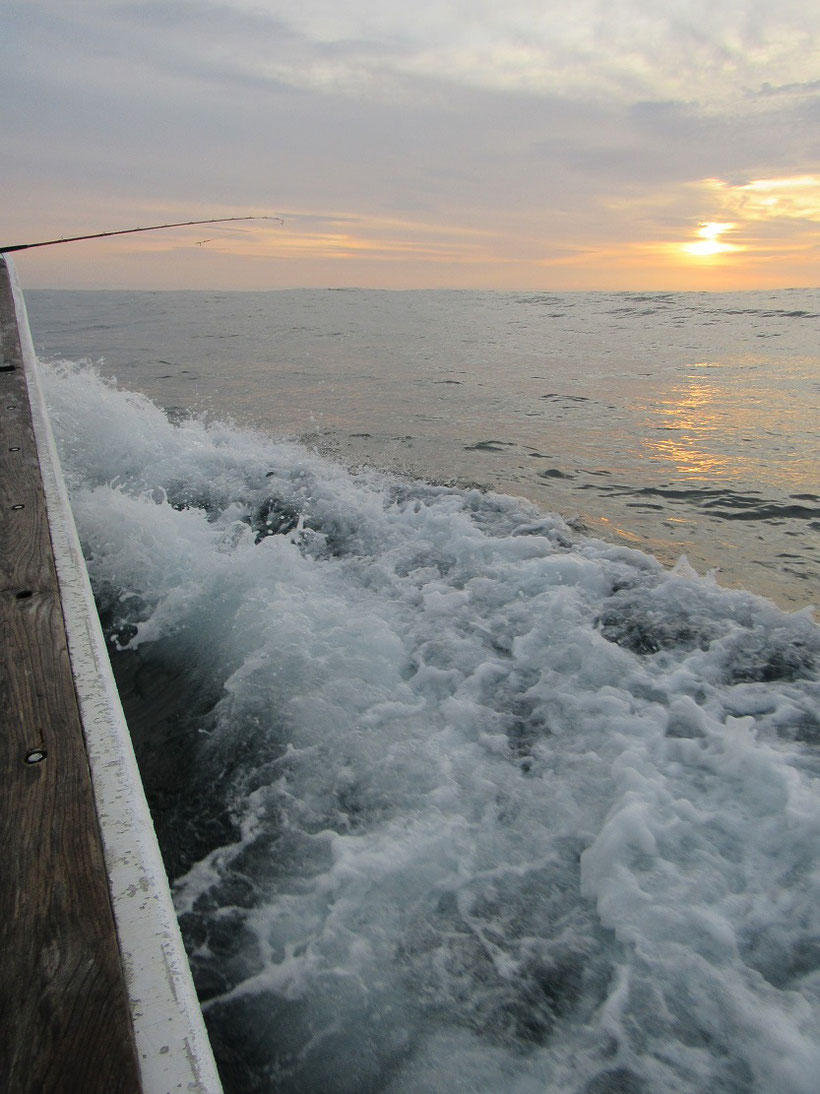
x=448 y=143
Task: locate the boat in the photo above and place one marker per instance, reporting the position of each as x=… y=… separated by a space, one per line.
x=95 y=982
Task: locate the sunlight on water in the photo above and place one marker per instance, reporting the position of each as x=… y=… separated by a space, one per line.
x=691 y=415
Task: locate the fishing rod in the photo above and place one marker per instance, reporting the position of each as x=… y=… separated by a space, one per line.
x=130 y=231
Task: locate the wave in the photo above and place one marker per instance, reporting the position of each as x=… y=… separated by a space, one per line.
x=454 y=798
x=723 y=502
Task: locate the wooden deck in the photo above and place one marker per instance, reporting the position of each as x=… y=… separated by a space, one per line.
x=64 y=1011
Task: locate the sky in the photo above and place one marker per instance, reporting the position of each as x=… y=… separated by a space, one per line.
x=499 y=144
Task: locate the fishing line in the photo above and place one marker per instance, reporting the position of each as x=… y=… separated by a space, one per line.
x=130 y=231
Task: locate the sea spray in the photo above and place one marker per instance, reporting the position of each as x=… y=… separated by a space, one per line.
x=461 y=800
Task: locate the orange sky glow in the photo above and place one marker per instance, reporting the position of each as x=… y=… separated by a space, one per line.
x=764 y=233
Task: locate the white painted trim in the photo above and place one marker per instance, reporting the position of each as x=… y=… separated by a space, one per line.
x=172 y=1045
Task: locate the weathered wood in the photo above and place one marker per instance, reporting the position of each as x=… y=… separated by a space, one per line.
x=64 y=1018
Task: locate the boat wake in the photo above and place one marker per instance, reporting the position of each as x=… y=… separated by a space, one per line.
x=454 y=798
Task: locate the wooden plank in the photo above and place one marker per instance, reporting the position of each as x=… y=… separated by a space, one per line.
x=63 y=1004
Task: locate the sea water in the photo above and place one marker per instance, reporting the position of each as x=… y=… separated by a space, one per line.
x=680 y=423
x=457 y=796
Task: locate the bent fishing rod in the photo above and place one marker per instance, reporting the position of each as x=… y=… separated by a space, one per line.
x=130 y=231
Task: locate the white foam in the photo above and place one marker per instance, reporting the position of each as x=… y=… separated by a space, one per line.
x=510 y=807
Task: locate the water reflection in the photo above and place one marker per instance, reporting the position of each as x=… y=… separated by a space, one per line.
x=691 y=418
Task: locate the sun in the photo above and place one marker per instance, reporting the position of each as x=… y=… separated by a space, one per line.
x=710 y=242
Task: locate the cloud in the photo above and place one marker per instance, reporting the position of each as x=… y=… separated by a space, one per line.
x=593 y=49
x=810 y=87
x=561 y=131
x=770 y=199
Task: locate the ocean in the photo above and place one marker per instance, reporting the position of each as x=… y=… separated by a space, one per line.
x=682 y=423
x=466 y=644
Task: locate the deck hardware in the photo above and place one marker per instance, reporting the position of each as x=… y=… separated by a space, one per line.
x=19 y=505
x=12 y=407
x=35 y=755
x=15 y=448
